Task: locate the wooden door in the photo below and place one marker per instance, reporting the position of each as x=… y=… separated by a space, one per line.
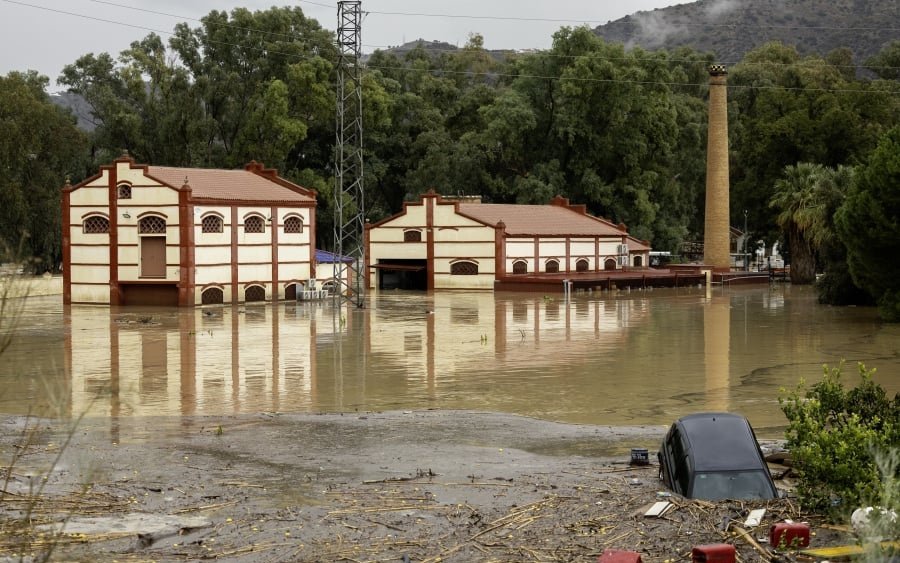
x=153 y=257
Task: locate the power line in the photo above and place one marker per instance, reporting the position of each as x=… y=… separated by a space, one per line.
x=293 y=36
x=162 y=32
x=621 y=81
x=629 y=57
x=600 y=22
x=54 y=10
x=296 y=56
x=290 y=36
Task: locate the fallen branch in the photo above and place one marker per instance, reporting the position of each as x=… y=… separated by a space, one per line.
x=749 y=539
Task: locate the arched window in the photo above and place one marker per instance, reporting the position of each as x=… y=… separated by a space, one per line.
x=95 y=224
x=212 y=295
x=609 y=264
x=123 y=191
x=581 y=265
x=152 y=225
x=638 y=262
x=255 y=293
x=290 y=292
x=293 y=224
x=552 y=267
x=254 y=224
x=520 y=267
x=412 y=236
x=212 y=224
x=464 y=268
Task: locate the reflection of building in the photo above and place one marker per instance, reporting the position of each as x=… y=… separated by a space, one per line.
x=195 y=361
x=717 y=351
x=139 y=234
x=300 y=357
x=438 y=243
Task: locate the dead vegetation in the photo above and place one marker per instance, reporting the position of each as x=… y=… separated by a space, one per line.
x=576 y=522
x=567 y=508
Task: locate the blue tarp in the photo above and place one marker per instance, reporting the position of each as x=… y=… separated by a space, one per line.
x=325 y=257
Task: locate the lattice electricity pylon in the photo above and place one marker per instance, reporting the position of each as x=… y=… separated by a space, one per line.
x=349 y=199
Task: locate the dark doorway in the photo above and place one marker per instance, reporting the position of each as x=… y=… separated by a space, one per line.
x=402 y=274
x=163 y=294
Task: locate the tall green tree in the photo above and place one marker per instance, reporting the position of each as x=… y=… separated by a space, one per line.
x=799 y=201
x=233 y=62
x=869 y=225
x=789 y=109
x=836 y=286
x=39 y=147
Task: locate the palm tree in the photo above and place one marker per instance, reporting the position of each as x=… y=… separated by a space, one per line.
x=802 y=199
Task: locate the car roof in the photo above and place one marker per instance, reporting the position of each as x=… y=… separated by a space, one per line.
x=720 y=441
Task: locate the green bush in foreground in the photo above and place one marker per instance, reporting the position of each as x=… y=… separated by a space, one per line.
x=834 y=435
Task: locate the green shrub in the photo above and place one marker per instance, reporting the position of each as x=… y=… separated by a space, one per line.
x=834 y=434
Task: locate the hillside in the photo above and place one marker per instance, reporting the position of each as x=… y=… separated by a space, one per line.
x=435 y=49
x=78 y=106
x=731 y=28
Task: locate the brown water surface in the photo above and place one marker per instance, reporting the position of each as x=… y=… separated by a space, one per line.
x=603 y=358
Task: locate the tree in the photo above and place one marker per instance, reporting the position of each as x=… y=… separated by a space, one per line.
x=869 y=225
x=790 y=109
x=800 y=200
x=835 y=286
x=39 y=147
x=886 y=64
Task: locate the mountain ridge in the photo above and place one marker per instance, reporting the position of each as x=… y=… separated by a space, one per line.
x=732 y=28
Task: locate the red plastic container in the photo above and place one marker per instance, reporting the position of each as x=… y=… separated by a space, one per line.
x=619 y=556
x=713 y=553
x=789 y=535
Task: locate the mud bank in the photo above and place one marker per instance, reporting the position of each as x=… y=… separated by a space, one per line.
x=399 y=486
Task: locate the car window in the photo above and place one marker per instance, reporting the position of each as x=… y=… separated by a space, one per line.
x=684 y=474
x=681 y=469
x=731 y=484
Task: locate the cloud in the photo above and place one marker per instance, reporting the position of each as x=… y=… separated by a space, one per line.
x=655 y=29
x=719 y=8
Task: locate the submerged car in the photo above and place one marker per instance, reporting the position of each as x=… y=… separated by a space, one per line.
x=714 y=456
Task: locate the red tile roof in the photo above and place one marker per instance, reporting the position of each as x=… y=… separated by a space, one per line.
x=208 y=183
x=545 y=220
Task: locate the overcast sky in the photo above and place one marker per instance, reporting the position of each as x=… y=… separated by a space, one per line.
x=45 y=35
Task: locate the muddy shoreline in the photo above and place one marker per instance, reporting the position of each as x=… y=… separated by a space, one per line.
x=392 y=486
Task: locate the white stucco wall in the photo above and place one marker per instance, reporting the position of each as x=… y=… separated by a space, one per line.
x=454 y=237
x=90 y=293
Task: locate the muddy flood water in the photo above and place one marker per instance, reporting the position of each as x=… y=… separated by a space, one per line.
x=626 y=358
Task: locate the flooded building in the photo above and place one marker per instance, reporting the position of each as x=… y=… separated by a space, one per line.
x=139 y=234
x=461 y=243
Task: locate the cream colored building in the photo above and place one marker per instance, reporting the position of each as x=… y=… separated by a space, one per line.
x=439 y=243
x=155 y=235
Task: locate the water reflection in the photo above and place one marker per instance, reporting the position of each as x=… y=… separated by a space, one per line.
x=605 y=358
x=716 y=351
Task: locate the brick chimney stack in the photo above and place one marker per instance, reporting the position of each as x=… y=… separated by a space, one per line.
x=716 y=240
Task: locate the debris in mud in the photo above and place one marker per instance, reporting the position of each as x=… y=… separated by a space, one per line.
x=366 y=505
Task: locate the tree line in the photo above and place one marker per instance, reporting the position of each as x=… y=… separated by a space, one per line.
x=621 y=131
